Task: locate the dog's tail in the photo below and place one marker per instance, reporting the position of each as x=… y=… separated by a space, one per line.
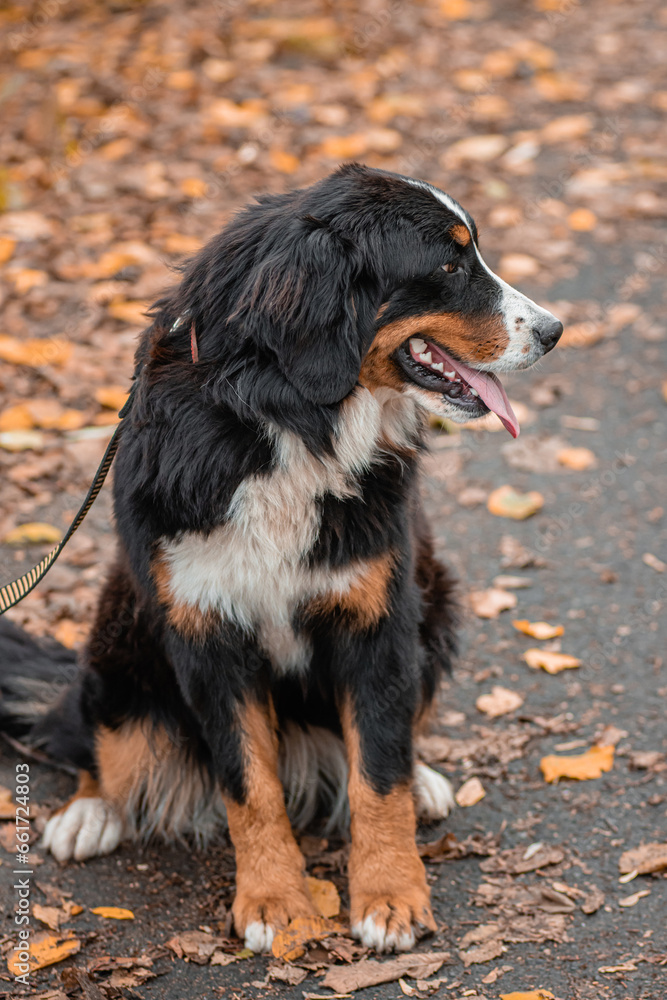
x=40 y=696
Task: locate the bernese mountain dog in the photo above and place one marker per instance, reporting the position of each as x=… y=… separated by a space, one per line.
x=275 y=624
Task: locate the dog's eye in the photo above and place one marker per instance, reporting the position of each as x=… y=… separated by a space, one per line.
x=452 y=267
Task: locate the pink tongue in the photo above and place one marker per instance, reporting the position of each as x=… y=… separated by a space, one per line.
x=490 y=390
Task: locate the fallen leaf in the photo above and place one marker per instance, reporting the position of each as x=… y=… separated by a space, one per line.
x=582 y=767
x=35 y=352
x=512 y=582
x=489 y=603
x=593 y=900
x=566 y=128
x=517 y=266
x=582 y=334
x=325 y=896
x=283 y=162
x=506 y=502
x=113 y=913
x=499 y=702
x=33 y=533
x=7 y=245
x=578 y=459
x=456 y=10
x=634 y=898
x=22 y=441
x=553 y=663
x=113 y=397
x=69 y=633
x=478 y=148
x=369 y=972
x=288 y=943
x=44 y=949
x=26 y=278
x=7 y=806
x=470 y=792
x=343 y=147
x=531 y=995
x=657 y=564
x=54 y=916
x=520 y=860
x=538 y=630
x=133 y=313
x=582 y=220
x=645 y=860
x=197 y=946
x=625 y=967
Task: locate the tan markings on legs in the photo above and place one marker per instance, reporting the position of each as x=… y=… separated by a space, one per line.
x=460 y=234
x=366 y=601
x=87 y=788
x=185 y=618
x=270 y=886
x=473 y=339
x=389 y=896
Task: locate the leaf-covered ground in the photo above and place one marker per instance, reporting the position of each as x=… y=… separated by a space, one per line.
x=131 y=132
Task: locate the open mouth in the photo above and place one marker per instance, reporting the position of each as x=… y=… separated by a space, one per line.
x=474 y=391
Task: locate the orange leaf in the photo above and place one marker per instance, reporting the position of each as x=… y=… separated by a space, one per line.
x=470 y=793
x=33 y=533
x=16 y=418
x=532 y=994
x=70 y=633
x=538 y=630
x=113 y=397
x=26 y=278
x=179 y=243
x=113 y=913
x=44 y=949
x=288 y=944
x=133 y=313
x=51 y=351
x=7 y=245
x=553 y=663
x=582 y=767
x=284 y=162
x=325 y=896
x=582 y=220
x=193 y=187
x=506 y=502
x=343 y=147
x=578 y=459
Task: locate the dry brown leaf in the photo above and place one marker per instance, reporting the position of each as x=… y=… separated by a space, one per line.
x=499 y=702
x=456 y=10
x=478 y=148
x=489 y=603
x=113 y=912
x=538 y=630
x=517 y=266
x=369 y=972
x=288 y=943
x=506 y=582
x=33 y=533
x=582 y=767
x=197 y=946
x=55 y=916
x=35 y=352
x=44 y=949
x=577 y=459
x=566 y=128
x=70 y=633
x=325 y=896
x=7 y=245
x=552 y=663
x=284 y=162
x=470 y=793
x=582 y=334
x=506 y=502
x=343 y=147
x=26 y=278
x=645 y=860
x=657 y=564
x=582 y=220
x=7 y=806
x=520 y=860
x=634 y=898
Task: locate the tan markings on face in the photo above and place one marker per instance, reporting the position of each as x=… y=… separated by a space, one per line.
x=387 y=877
x=187 y=619
x=270 y=883
x=366 y=601
x=471 y=339
x=460 y=234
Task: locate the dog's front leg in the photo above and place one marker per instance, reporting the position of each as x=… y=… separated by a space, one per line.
x=389 y=896
x=239 y=725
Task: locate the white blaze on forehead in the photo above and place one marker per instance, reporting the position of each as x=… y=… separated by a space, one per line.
x=444 y=199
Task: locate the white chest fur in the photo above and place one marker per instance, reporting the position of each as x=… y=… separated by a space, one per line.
x=253 y=570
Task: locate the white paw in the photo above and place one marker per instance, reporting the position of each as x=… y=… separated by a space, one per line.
x=259 y=937
x=85 y=829
x=377 y=935
x=434 y=797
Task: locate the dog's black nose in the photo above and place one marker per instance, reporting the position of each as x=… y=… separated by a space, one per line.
x=548 y=333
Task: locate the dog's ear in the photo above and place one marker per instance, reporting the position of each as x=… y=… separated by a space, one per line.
x=308 y=302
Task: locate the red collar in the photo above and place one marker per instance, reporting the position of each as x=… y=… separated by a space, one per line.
x=194 y=350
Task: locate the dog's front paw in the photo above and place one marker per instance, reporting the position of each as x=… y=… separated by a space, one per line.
x=392 y=921
x=258 y=917
x=434 y=798
x=85 y=828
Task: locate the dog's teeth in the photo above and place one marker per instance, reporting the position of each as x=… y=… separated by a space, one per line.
x=473 y=391
x=426 y=358
x=438 y=367
x=450 y=374
x=417 y=345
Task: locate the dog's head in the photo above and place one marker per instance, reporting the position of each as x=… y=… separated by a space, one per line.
x=374 y=278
